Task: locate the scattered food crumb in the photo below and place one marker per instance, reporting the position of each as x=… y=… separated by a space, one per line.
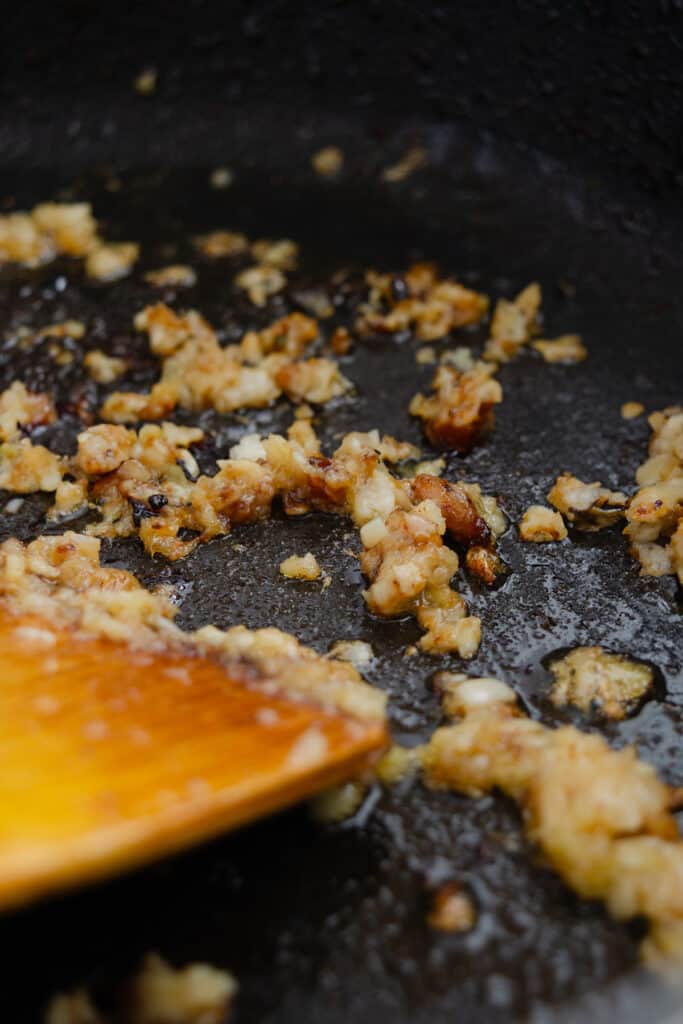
x=568 y=348
x=220 y=244
x=358 y=652
x=221 y=177
x=301 y=567
x=590 y=677
x=411 y=161
x=111 y=261
x=589 y=506
x=425 y=355
x=398 y=762
x=103 y=368
x=177 y=275
x=338 y=803
x=541 y=525
x=452 y=910
x=146 y=81
x=631 y=410
x=196 y=994
x=328 y=161
x=341 y=341
x=460 y=358
x=260 y=282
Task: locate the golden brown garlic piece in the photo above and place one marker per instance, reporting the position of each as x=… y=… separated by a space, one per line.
x=540 y=525
x=590 y=677
x=513 y=324
x=461 y=408
x=588 y=506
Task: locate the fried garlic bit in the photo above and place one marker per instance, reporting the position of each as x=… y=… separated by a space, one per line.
x=63 y=229
x=175 y=275
x=103 y=368
x=590 y=677
x=328 y=161
x=197 y=373
x=301 y=567
x=567 y=349
x=600 y=817
x=513 y=324
x=655 y=513
x=418 y=300
x=590 y=507
x=452 y=910
x=461 y=408
x=22 y=408
x=60 y=579
x=540 y=525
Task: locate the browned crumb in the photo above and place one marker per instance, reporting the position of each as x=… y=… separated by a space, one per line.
x=398 y=762
x=566 y=349
x=461 y=407
x=260 y=282
x=631 y=410
x=301 y=567
x=462 y=517
x=176 y=275
x=419 y=300
x=48 y=230
x=282 y=253
x=328 y=161
x=592 y=677
x=22 y=408
x=541 y=525
x=426 y=355
x=513 y=324
x=411 y=161
x=655 y=513
x=103 y=368
x=219 y=244
x=601 y=817
x=341 y=341
x=452 y=910
x=111 y=261
x=196 y=994
x=589 y=506
x=146 y=81
x=485 y=563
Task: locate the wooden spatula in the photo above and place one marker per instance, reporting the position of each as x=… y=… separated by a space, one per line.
x=110 y=757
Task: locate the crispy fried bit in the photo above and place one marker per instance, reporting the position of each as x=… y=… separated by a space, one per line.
x=301 y=567
x=111 y=261
x=176 y=275
x=540 y=525
x=26 y=468
x=337 y=804
x=601 y=817
x=459 y=692
x=398 y=763
x=59 y=579
x=589 y=677
x=452 y=910
x=485 y=563
x=50 y=229
x=260 y=282
x=631 y=410
x=461 y=408
x=312 y=380
x=103 y=368
x=513 y=324
x=196 y=994
x=357 y=652
x=198 y=374
x=22 y=408
x=460 y=513
x=219 y=244
x=341 y=341
x=412 y=160
x=282 y=253
x=72 y=1008
x=568 y=348
x=328 y=161
x=588 y=506
x=655 y=513
x=418 y=300
x=460 y=358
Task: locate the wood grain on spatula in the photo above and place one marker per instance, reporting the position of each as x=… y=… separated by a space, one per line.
x=111 y=757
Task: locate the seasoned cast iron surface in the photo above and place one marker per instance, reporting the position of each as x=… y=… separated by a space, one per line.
x=328 y=924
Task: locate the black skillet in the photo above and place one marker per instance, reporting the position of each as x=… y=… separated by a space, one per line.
x=554 y=153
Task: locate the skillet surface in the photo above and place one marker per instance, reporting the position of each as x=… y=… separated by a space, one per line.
x=328 y=923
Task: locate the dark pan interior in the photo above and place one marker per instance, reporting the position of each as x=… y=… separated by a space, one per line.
x=328 y=924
